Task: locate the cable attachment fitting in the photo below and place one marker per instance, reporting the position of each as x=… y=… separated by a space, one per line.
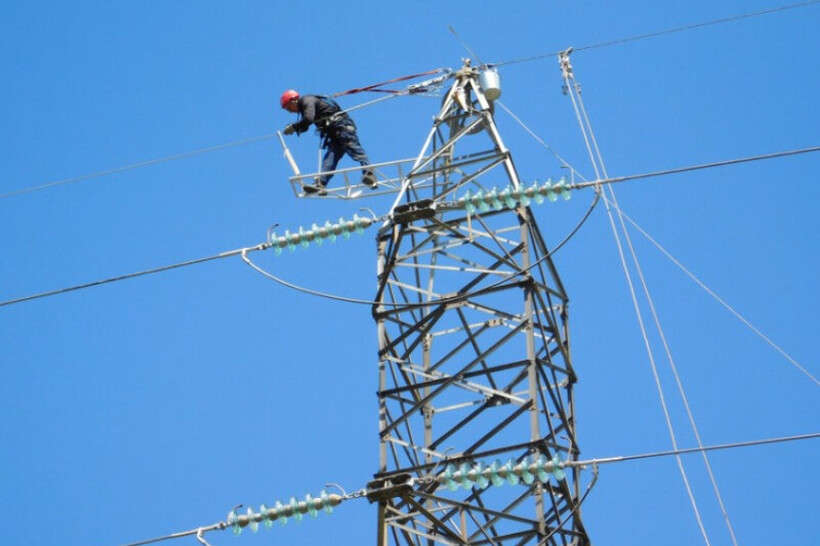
x=271 y=232
x=417 y=210
x=200 y=536
x=373 y=214
x=566 y=69
x=396 y=485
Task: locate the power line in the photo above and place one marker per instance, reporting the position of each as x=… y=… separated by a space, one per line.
x=655 y=34
x=720 y=300
x=243 y=251
x=614 y=180
x=502 y=63
x=441 y=478
x=684 y=451
x=198 y=532
x=297 y=509
x=442 y=300
x=262 y=246
x=729 y=19
x=137 y=165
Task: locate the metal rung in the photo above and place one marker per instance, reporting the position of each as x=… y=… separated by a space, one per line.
x=389 y=177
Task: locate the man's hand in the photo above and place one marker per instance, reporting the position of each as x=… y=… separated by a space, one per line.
x=290 y=129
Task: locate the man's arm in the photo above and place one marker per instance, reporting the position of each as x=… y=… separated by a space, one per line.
x=308 y=114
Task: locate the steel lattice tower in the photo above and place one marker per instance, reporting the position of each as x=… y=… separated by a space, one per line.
x=474 y=352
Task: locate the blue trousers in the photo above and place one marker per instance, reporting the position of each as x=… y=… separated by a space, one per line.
x=342 y=140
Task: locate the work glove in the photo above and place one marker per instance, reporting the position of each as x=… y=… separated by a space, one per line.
x=290 y=129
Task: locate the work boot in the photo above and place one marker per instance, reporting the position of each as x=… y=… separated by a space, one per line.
x=369 y=179
x=317 y=189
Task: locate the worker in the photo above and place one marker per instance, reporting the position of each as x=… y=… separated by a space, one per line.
x=337 y=130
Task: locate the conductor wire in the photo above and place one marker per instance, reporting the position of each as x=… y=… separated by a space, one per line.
x=575 y=186
x=418 y=88
x=132 y=275
x=502 y=63
x=302 y=289
x=264 y=246
x=541 y=141
x=199 y=532
x=597 y=159
x=701 y=24
x=655 y=34
x=440 y=301
x=678 y=170
x=720 y=300
x=684 y=451
x=138 y=165
x=571 y=464
x=675 y=374
x=653 y=366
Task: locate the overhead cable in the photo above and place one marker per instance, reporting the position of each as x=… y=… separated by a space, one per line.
x=573 y=90
x=302 y=237
x=199 y=531
x=647 y=35
x=236 y=252
x=478 y=474
x=541 y=141
x=302 y=289
x=651 y=357
x=464 y=44
x=614 y=180
x=566 y=187
x=674 y=369
x=684 y=451
x=501 y=63
x=138 y=165
x=426 y=86
x=719 y=300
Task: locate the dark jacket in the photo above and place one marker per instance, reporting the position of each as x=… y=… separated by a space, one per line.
x=323 y=112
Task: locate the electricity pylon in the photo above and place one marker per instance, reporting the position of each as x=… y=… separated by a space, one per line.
x=475 y=375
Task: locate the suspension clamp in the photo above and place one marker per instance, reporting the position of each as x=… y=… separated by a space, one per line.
x=396 y=485
x=417 y=210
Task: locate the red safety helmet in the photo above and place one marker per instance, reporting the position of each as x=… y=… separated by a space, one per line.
x=288 y=96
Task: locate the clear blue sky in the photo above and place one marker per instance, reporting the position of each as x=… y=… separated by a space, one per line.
x=154 y=405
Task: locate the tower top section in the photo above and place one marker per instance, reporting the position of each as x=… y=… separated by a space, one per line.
x=462 y=143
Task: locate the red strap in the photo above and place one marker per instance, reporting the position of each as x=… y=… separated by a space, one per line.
x=373 y=88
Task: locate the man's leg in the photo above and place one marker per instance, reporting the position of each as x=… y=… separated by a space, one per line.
x=353 y=148
x=333 y=153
